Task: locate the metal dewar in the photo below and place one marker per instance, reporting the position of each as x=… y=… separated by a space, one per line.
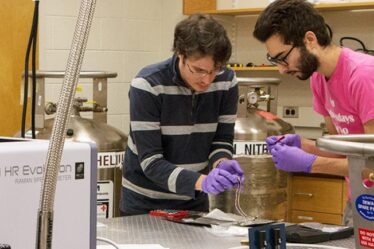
x=264 y=192
x=110 y=142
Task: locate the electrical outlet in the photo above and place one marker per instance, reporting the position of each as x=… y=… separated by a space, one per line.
x=290 y=111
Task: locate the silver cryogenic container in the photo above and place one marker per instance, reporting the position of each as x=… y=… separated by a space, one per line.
x=264 y=193
x=110 y=142
x=360 y=152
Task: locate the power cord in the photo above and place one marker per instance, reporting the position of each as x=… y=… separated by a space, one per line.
x=363 y=47
x=31 y=48
x=329 y=30
x=108 y=241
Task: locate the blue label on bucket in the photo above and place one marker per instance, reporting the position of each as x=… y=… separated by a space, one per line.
x=365 y=206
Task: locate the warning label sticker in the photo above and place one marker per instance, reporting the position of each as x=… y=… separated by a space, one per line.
x=104 y=199
x=365 y=206
x=366 y=237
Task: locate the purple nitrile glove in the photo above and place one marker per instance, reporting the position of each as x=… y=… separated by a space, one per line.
x=288 y=139
x=292 y=159
x=271 y=142
x=217 y=181
x=233 y=167
x=293 y=140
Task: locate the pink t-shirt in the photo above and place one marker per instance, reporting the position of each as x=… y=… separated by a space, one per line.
x=348 y=96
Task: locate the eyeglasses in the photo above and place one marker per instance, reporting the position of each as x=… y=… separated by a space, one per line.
x=202 y=73
x=277 y=60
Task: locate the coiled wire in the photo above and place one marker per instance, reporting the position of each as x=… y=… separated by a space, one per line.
x=237 y=204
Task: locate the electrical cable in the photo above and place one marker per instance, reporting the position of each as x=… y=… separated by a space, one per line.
x=363 y=47
x=354 y=39
x=237 y=200
x=33 y=102
x=237 y=203
x=329 y=30
x=32 y=39
x=108 y=241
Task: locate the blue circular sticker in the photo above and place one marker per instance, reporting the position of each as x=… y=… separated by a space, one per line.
x=365 y=206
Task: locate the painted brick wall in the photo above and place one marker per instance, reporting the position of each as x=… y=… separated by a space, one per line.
x=125 y=36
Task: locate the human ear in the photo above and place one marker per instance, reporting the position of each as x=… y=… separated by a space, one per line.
x=310 y=40
x=181 y=57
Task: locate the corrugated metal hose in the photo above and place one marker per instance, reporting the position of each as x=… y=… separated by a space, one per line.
x=56 y=144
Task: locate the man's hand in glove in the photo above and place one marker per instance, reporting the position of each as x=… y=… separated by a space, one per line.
x=233 y=167
x=218 y=180
x=288 y=139
x=292 y=159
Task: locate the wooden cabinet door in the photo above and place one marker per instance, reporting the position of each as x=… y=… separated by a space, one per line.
x=317 y=194
x=15 y=19
x=306 y=216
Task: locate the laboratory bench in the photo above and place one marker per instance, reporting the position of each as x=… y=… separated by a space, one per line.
x=145 y=229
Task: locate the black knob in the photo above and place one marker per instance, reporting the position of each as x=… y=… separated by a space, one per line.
x=69 y=132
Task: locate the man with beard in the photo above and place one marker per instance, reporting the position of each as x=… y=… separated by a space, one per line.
x=342 y=83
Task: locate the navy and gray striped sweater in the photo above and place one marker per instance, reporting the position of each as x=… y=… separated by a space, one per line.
x=176 y=134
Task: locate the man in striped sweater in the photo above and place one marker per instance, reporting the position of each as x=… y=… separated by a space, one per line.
x=182 y=114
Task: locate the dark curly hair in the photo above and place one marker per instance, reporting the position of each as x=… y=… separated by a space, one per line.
x=201 y=35
x=291 y=19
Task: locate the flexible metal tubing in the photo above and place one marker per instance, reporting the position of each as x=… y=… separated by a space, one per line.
x=65 y=101
x=56 y=144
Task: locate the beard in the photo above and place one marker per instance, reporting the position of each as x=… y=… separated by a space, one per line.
x=308 y=64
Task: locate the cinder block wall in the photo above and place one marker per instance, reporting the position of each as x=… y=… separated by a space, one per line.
x=125 y=36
